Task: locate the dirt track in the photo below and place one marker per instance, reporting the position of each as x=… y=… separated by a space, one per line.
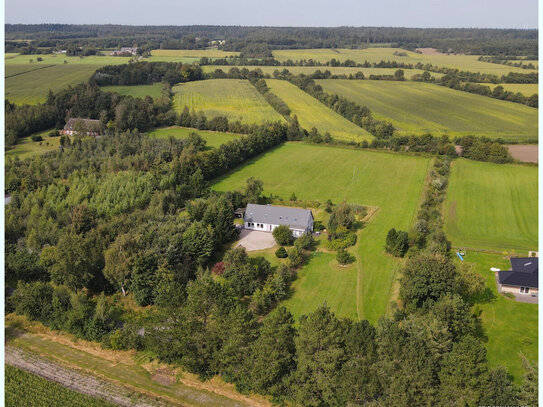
x=74 y=380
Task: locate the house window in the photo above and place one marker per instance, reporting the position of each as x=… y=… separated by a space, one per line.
x=524 y=290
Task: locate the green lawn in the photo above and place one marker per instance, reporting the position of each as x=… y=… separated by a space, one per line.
x=31 y=85
x=28 y=148
x=312 y=113
x=391 y=182
x=510 y=326
x=461 y=62
x=234 y=98
x=308 y=70
x=25 y=389
x=492 y=206
x=213 y=138
x=137 y=91
x=415 y=107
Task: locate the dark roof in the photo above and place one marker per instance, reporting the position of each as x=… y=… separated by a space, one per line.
x=278 y=215
x=524 y=272
x=90 y=124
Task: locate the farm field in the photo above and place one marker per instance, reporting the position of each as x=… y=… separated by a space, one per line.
x=138 y=91
x=361 y=177
x=125 y=368
x=461 y=62
x=527 y=89
x=417 y=108
x=510 y=326
x=33 y=86
x=234 y=98
x=213 y=138
x=492 y=206
x=312 y=113
x=25 y=389
x=308 y=70
x=58 y=59
x=27 y=148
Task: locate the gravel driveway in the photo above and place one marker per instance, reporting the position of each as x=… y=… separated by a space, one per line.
x=255 y=240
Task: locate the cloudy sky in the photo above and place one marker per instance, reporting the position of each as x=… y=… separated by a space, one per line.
x=405 y=13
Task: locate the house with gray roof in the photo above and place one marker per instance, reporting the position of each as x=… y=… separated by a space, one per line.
x=267 y=217
x=89 y=127
x=523 y=277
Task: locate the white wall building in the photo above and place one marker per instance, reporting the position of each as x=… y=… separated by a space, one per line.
x=267 y=217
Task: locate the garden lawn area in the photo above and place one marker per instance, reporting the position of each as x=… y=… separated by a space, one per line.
x=492 y=206
x=391 y=182
x=312 y=113
x=236 y=99
x=461 y=62
x=309 y=70
x=213 y=138
x=415 y=107
x=31 y=83
x=137 y=91
x=510 y=326
x=27 y=148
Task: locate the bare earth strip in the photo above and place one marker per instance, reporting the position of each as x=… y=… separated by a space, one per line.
x=73 y=380
x=526 y=153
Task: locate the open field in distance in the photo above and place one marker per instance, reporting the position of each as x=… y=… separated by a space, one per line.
x=361 y=177
x=417 y=108
x=492 y=206
x=461 y=62
x=312 y=113
x=234 y=98
x=137 y=91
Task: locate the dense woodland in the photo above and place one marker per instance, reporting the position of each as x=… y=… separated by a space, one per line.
x=259 y=41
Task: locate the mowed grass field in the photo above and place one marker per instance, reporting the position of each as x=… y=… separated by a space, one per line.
x=234 y=98
x=213 y=138
x=137 y=91
x=391 y=182
x=308 y=70
x=27 y=148
x=32 y=86
x=312 y=113
x=461 y=62
x=416 y=108
x=492 y=206
x=510 y=326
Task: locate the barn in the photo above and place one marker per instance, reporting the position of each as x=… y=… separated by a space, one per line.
x=266 y=218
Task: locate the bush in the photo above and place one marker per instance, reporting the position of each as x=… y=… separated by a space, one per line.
x=283 y=235
x=54 y=133
x=295 y=257
x=305 y=242
x=281 y=253
x=348 y=239
x=396 y=242
x=343 y=257
x=36 y=137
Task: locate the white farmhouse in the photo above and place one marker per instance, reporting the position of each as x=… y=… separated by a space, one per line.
x=267 y=217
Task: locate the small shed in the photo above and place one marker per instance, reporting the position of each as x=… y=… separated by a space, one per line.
x=238 y=213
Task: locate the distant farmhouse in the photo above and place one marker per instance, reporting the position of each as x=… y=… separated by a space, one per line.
x=267 y=217
x=88 y=127
x=522 y=278
x=125 y=50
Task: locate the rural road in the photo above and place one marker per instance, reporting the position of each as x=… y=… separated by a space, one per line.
x=74 y=380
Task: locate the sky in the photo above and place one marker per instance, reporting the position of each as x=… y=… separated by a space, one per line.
x=389 y=13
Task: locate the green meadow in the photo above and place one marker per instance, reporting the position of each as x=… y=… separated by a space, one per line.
x=461 y=62
x=213 y=138
x=312 y=113
x=391 y=182
x=417 y=108
x=527 y=89
x=188 y=55
x=32 y=86
x=25 y=147
x=236 y=99
x=510 y=327
x=492 y=206
x=62 y=59
x=137 y=91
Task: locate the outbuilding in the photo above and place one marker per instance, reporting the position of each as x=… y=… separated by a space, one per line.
x=267 y=217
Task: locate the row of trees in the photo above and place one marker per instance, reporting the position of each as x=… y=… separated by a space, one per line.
x=141 y=73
